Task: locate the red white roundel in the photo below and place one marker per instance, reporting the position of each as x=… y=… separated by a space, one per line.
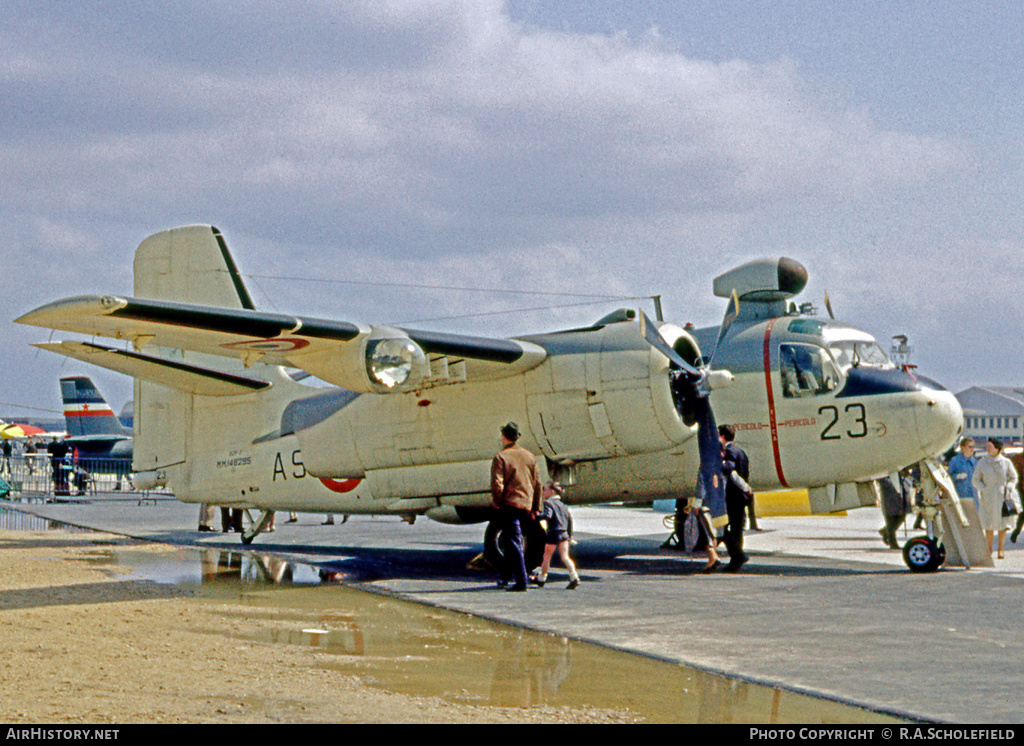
x=342 y=485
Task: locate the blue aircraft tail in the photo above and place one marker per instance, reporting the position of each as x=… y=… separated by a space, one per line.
x=86 y=412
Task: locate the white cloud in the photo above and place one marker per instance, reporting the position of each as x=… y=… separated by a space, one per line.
x=428 y=140
x=495 y=121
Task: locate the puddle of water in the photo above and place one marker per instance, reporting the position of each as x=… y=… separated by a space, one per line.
x=413 y=649
x=408 y=648
x=13 y=520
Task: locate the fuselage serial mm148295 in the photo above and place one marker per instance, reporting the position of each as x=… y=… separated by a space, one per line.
x=623 y=410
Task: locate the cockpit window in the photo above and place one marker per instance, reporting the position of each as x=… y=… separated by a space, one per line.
x=850 y=354
x=807 y=370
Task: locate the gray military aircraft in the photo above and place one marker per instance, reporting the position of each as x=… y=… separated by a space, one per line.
x=623 y=410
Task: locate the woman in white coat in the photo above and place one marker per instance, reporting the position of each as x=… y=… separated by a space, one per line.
x=995 y=482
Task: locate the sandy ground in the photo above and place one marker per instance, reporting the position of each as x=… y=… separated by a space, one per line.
x=83 y=644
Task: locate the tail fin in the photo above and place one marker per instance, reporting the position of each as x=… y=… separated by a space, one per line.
x=86 y=412
x=192 y=265
x=189 y=264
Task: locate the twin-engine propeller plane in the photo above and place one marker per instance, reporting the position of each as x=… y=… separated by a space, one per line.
x=623 y=410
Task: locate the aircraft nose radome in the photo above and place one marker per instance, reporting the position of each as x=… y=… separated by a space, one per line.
x=940 y=421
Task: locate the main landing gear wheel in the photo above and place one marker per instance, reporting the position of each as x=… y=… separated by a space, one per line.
x=533 y=538
x=923 y=554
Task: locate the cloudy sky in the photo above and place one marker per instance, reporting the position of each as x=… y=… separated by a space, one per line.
x=366 y=158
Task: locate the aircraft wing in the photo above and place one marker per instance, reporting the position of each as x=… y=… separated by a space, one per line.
x=339 y=352
x=192 y=379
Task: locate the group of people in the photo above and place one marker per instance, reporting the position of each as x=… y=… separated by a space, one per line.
x=29 y=452
x=230 y=519
x=520 y=500
x=993 y=483
x=694 y=530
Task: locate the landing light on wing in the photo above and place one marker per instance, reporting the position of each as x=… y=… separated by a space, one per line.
x=395 y=361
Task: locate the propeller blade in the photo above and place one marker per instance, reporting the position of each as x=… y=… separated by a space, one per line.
x=711 y=479
x=731 y=312
x=654 y=338
x=828 y=307
x=691 y=389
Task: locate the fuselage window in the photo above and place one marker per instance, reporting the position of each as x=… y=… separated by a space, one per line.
x=806 y=370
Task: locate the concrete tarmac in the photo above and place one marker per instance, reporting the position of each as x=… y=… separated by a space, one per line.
x=822 y=608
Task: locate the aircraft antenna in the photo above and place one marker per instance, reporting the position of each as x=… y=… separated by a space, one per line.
x=901 y=350
x=25 y=406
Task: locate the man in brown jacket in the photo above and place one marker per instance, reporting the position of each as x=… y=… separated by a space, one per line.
x=516 y=493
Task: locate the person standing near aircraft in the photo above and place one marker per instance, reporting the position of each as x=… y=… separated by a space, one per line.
x=231 y=520
x=995 y=481
x=1017 y=460
x=58 y=451
x=206 y=516
x=961 y=470
x=30 y=455
x=8 y=451
x=895 y=504
x=556 y=536
x=516 y=493
x=737 y=495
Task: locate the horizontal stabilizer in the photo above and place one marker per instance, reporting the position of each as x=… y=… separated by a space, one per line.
x=191 y=379
x=98 y=440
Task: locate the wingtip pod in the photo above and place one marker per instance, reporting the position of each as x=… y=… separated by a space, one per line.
x=60 y=313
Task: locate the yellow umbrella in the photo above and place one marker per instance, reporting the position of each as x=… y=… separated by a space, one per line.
x=11 y=431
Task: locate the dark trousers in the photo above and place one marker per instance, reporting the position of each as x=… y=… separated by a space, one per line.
x=1020 y=523
x=736 y=508
x=513 y=521
x=231 y=520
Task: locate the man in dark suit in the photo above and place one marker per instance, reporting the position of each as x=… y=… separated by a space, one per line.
x=737 y=496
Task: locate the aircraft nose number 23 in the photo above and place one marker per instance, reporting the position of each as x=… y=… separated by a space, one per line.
x=854 y=419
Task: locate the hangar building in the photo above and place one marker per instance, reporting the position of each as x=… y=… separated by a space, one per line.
x=993 y=412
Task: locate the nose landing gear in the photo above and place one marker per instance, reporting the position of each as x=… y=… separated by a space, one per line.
x=924 y=554
x=950 y=525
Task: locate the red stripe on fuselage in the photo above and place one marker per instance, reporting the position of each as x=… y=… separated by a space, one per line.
x=773 y=424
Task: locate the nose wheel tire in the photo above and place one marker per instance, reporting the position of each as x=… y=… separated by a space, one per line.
x=923 y=554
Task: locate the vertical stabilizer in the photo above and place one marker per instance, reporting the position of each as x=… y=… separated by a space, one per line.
x=190 y=265
x=86 y=412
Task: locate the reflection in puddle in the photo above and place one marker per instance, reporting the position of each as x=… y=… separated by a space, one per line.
x=412 y=649
x=408 y=648
x=12 y=520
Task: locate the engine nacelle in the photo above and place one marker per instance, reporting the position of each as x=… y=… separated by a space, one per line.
x=385 y=361
x=682 y=342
